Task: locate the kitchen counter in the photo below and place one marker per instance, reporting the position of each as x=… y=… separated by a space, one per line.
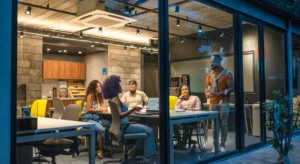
x=65 y=100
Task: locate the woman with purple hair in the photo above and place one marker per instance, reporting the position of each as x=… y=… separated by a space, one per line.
x=92 y=108
x=111 y=89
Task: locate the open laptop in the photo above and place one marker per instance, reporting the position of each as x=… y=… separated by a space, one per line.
x=152 y=108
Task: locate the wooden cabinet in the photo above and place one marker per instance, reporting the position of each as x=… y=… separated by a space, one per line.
x=53 y=69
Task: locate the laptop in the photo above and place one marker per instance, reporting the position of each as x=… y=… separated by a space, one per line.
x=152 y=108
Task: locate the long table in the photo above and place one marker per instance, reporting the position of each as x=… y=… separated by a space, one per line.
x=185 y=117
x=62 y=128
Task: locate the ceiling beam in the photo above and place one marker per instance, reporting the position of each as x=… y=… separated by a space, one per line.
x=47 y=8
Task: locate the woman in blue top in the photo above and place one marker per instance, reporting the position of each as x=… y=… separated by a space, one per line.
x=92 y=108
x=111 y=89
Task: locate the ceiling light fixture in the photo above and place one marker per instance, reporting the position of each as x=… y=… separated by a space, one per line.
x=80 y=34
x=181 y=40
x=100 y=30
x=79 y=52
x=137 y=31
x=48 y=49
x=177 y=8
x=221 y=33
x=124 y=48
x=28 y=11
x=200 y=28
x=65 y=51
x=151 y=51
x=93 y=44
x=178 y=23
x=21 y=34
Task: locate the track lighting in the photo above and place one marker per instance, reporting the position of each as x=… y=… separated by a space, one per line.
x=178 y=23
x=181 y=40
x=221 y=33
x=28 y=11
x=177 y=8
x=124 y=48
x=100 y=30
x=93 y=44
x=21 y=34
x=80 y=34
x=200 y=28
x=151 y=51
x=137 y=32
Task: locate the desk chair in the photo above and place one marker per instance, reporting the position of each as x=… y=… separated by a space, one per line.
x=172 y=101
x=80 y=102
x=54 y=147
x=123 y=139
x=58 y=108
x=38 y=108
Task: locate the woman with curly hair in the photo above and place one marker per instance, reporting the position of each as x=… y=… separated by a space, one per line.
x=92 y=108
x=111 y=89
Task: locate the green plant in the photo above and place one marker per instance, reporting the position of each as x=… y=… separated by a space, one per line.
x=282 y=122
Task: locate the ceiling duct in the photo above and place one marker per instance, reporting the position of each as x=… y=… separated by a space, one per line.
x=110 y=14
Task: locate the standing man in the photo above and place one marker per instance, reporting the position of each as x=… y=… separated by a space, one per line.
x=219 y=85
x=134 y=97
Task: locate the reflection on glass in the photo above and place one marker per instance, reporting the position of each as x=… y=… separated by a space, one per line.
x=251 y=83
x=199 y=36
x=296 y=71
x=274 y=64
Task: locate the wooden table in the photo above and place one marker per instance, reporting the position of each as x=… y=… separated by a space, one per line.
x=45 y=129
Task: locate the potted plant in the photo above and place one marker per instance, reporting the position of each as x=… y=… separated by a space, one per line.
x=282 y=122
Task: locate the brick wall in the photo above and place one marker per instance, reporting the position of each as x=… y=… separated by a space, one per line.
x=126 y=64
x=30 y=65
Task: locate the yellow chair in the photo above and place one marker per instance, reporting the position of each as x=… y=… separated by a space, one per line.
x=38 y=108
x=172 y=101
x=80 y=102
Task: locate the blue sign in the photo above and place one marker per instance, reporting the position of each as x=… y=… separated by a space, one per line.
x=104 y=71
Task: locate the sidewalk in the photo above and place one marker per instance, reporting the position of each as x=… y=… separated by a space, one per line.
x=265 y=155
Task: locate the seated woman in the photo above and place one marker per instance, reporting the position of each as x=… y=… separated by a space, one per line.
x=185 y=101
x=92 y=107
x=111 y=90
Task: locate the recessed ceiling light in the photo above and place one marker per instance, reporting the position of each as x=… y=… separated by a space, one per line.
x=21 y=34
x=59 y=51
x=79 y=52
x=48 y=49
x=65 y=51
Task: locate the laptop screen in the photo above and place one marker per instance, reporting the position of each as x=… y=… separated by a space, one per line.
x=153 y=104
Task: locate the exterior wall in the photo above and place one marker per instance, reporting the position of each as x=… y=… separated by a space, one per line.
x=126 y=64
x=30 y=65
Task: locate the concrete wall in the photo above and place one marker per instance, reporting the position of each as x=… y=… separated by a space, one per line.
x=94 y=65
x=126 y=64
x=30 y=65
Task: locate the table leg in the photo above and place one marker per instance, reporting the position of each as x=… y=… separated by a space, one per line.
x=216 y=135
x=92 y=147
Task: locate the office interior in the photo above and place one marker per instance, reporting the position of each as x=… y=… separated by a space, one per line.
x=97 y=39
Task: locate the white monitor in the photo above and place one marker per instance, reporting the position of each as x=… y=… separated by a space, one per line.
x=153 y=103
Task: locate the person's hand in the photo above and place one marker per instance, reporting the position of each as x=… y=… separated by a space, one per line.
x=103 y=109
x=137 y=108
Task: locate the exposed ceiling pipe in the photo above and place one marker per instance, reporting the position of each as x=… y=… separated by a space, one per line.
x=86 y=38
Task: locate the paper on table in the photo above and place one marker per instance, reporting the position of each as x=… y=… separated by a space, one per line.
x=143 y=110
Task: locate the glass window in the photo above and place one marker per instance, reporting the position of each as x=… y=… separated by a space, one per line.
x=201 y=65
x=274 y=64
x=296 y=71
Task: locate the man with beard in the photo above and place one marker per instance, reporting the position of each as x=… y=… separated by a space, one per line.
x=219 y=85
x=134 y=97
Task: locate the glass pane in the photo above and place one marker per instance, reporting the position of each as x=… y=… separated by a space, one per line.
x=251 y=83
x=274 y=64
x=61 y=51
x=197 y=40
x=296 y=72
